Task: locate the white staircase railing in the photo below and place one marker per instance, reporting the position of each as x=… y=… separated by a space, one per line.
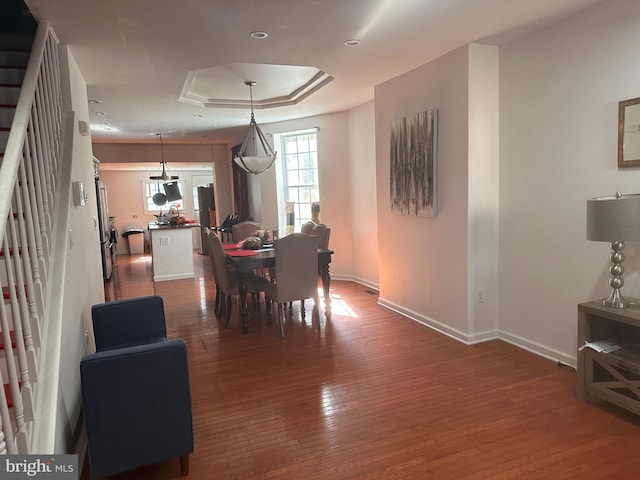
x=29 y=181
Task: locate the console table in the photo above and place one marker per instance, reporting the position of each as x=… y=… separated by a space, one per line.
x=613 y=376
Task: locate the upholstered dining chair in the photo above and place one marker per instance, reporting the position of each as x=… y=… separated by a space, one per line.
x=227 y=281
x=242 y=230
x=297 y=274
x=307 y=227
x=135 y=389
x=323 y=232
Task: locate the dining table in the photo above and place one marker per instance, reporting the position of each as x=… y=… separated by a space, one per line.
x=247 y=261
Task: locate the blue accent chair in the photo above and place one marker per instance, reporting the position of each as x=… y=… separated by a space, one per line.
x=135 y=389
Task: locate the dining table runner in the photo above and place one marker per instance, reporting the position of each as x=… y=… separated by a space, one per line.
x=240 y=253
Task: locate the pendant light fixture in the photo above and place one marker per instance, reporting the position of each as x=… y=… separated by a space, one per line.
x=171 y=188
x=164 y=176
x=255 y=155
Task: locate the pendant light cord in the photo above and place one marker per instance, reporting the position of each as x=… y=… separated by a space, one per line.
x=250 y=84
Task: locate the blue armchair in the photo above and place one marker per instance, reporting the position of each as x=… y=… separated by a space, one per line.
x=135 y=389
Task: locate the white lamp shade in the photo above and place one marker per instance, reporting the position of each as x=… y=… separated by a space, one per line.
x=614 y=218
x=254 y=164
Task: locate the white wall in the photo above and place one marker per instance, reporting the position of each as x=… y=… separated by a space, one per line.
x=364 y=215
x=83 y=275
x=483 y=187
x=559 y=94
x=423 y=261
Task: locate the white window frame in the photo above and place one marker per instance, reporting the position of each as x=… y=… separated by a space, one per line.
x=283 y=180
x=153 y=187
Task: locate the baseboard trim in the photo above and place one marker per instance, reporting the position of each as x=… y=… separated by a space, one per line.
x=538 y=349
x=361 y=281
x=479 y=337
x=439 y=326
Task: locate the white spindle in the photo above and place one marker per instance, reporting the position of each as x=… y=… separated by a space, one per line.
x=7 y=432
x=9 y=357
x=24 y=278
x=33 y=167
x=36 y=302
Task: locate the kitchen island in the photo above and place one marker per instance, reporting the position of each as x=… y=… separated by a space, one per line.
x=171 y=251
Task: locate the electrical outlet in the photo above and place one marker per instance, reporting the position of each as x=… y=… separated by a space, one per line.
x=480 y=295
x=164 y=241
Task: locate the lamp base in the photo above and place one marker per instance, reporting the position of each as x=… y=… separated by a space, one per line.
x=615 y=300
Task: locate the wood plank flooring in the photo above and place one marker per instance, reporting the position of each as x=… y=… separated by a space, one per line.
x=373 y=396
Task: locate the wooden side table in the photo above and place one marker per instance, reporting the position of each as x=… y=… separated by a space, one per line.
x=614 y=376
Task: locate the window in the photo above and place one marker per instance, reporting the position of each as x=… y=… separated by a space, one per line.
x=150 y=188
x=299 y=175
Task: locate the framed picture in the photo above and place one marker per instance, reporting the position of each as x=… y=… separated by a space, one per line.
x=629 y=133
x=413 y=164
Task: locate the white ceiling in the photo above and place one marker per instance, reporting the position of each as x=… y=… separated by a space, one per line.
x=139 y=57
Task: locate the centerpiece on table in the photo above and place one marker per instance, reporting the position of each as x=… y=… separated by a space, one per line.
x=256 y=240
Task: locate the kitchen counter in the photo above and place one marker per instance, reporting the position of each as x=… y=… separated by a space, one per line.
x=172 y=251
x=164 y=226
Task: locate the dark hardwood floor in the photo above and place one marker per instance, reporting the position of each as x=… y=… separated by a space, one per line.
x=373 y=396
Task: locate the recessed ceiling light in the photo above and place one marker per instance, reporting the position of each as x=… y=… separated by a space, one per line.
x=101 y=113
x=102 y=128
x=352 y=43
x=95 y=101
x=105 y=123
x=259 y=35
x=197 y=115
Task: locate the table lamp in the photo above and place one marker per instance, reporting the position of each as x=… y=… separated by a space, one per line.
x=614 y=219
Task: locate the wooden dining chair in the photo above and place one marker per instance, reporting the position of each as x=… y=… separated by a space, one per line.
x=208 y=232
x=297 y=274
x=228 y=282
x=242 y=230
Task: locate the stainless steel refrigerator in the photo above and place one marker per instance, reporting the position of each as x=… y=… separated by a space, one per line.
x=206 y=213
x=104 y=228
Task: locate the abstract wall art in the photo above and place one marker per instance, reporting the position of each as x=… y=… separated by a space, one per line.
x=413 y=164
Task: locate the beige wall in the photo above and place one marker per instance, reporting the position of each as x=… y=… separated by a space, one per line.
x=334 y=173
x=126 y=201
x=218 y=156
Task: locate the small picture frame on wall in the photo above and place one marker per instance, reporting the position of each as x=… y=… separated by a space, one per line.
x=629 y=133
